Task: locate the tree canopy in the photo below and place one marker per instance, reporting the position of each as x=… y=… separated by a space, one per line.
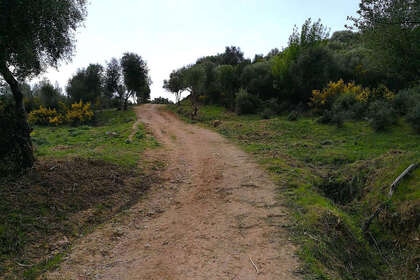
x=87 y=84
x=392 y=29
x=136 y=76
x=175 y=83
x=37 y=34
x=33 y=35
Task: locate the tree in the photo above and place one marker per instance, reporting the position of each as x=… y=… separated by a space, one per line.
x=313 y=68
x=392 y=29
x=195 y=79
x=175 y=84
x=136 y=78
x=227 y=83
x=292 y=77
x=311 y=33
x=48 y=95
x=34 y=35
x=87 y=84
x=128 y=78
x=257 y=79
x=272 y=53
x=233 y=56
x=114 y=82
x=4 y=88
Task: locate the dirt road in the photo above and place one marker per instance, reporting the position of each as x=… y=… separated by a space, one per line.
x=214 y=216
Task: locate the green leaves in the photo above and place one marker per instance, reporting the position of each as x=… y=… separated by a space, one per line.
x=36 y=34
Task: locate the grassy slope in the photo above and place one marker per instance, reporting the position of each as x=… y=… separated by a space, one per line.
x=333 y=178
x=106 y=140
x=83 y=176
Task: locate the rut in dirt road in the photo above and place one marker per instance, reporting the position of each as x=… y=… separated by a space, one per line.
x=215 y=216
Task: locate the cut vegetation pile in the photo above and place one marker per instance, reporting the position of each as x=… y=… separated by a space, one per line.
x=83 y=176
x=334 y=179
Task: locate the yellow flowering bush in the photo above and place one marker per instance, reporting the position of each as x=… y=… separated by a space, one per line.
x=78 y=113
x=324 y=99
x=43 y=116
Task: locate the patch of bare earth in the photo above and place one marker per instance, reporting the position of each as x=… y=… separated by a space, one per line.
x=56 y=201
x=214 y=216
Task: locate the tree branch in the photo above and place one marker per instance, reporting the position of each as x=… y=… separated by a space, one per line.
x=390 y=194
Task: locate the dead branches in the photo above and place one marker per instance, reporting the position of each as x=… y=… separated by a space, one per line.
x=392 y=189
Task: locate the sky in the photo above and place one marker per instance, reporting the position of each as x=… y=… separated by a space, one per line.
x=169 y=34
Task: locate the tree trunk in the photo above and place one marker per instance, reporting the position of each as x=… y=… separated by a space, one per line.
x=125 y=105
x=194 y=104
x=22 y=139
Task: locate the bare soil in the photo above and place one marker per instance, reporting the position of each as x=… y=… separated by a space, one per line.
x=214 y=215
x=45 y=209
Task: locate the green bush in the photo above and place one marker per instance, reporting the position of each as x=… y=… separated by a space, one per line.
x=161 y=100
x=246 y=103
x=405 y=100
x=413 y=117
x=331 y=117
x=381 y=115
x=267 y=113
x=293 y=116
x=273 y=105
x=349 y=107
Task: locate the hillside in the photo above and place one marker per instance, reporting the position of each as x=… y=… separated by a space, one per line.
x=334 y=179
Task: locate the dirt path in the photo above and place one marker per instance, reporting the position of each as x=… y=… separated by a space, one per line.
x=213 y=213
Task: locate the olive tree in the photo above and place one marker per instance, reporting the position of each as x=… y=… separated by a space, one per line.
x=392 y=29
x=33 y=36
x=128 y=77
x=175 y=84
x=228 y=83
x=87 y=84
x=195 y=80
x=113 y=80
x=136 y=78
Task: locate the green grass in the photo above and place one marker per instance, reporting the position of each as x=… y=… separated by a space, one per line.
x=332 y=179
x=106 y=140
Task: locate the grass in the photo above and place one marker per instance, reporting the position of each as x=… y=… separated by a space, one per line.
x=333 y=179
x=83 y=176
x=106 y=140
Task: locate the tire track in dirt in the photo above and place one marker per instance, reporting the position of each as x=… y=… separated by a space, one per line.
x=212 y=217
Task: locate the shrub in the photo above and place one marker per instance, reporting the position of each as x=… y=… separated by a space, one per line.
x=330 y=117
x=161 y=100
x=405 y=100
x=381 y=115
x=79 y=113
x=267 y=113
x=323 y=100
x=293 y=116
x=273 y=105
x=45 y=116
x=246 y=103
x=413 y=117
x=31 y=103
x=349 y=107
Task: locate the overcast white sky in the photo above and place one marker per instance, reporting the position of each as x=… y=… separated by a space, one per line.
x=171 y=33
